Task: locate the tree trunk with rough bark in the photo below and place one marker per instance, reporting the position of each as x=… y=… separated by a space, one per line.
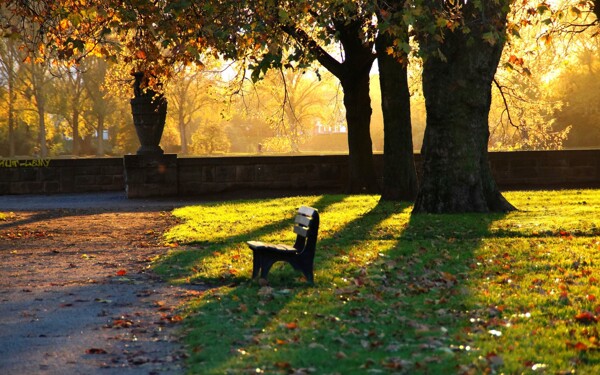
x=457 y=89
x=399 y=174
x=357 y=101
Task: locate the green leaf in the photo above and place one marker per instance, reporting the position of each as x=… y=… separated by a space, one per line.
x=490 y=37
x=542 y=8
x=283 y=16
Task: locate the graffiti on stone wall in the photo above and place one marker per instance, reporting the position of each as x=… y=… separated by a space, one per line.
x=7 y=163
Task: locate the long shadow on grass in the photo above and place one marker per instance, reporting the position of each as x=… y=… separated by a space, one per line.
x=244 y=319
x=383 y=301
x=405 y=309
x=185 y=263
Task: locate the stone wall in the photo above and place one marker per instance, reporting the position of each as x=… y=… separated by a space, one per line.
x=52 y=176
x=304 y=174
x=546 y=169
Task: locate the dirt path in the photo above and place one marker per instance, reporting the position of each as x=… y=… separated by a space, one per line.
x=77 y=296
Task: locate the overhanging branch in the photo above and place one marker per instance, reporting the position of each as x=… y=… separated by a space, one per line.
x=324 y=58
x=506 y=107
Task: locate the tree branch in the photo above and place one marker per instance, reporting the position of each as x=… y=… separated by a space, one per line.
x=506 y=107
x=330 y=63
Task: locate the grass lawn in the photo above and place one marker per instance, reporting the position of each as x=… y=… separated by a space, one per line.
x=432 y=294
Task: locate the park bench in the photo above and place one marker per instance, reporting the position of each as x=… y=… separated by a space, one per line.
x=300 y=256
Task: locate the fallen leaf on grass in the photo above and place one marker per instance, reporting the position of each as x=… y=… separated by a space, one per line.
x=291 y=325
x=586 y=317
x=121 y=272
x=397 y=364
x=283 y=365
x=579 y=346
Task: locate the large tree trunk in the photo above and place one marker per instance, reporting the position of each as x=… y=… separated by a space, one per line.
x=353 y=74
x=457 y=90
x=399 y=174
x=362 y=178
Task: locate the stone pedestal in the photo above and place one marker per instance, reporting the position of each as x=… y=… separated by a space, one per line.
x=150 y=175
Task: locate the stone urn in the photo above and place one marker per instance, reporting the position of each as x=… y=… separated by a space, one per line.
x=149 y=111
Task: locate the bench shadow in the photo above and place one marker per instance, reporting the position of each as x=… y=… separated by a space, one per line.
x=181 y=263
x=285 y=284
x=413 y=272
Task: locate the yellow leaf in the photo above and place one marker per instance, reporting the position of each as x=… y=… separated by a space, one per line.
x=64 y=24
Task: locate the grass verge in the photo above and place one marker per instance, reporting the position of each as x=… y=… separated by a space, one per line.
x=395 y=293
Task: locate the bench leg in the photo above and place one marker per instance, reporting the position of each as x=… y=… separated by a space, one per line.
x=263 y=262
x=255 y=264
x=305 y=266
x=265 y=266
x=308 y=273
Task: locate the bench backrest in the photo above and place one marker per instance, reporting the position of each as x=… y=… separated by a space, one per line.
x=306 y=226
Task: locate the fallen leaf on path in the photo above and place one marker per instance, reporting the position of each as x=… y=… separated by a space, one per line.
x=96 y=351
x=171 y=318
x=122 y=323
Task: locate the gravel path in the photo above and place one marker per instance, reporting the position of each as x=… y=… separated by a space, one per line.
x=77 y=295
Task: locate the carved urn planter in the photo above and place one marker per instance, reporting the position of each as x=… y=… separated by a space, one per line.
x=149 y=112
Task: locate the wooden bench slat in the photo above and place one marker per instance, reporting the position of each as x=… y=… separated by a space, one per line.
x=300 y=230
x=307 y=211
x=302 y=220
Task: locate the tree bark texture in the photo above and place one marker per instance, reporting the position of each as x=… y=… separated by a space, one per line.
x=362 y=178
x=457 y=89
x=399 y=174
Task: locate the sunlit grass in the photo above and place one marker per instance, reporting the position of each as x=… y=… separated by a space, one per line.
x=511 y=293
